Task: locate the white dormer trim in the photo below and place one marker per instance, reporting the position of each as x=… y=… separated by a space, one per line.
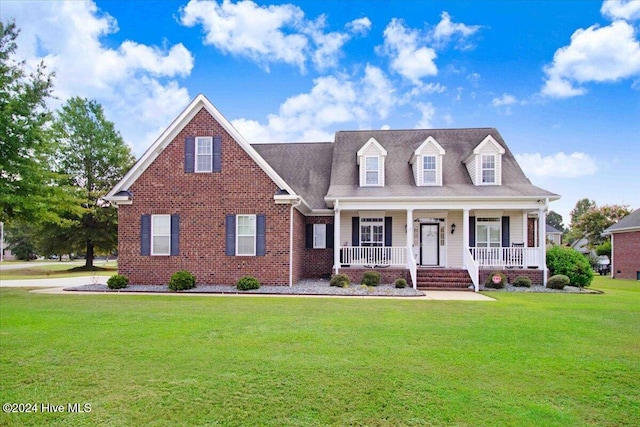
x=371 y=152
x=487 y=148
x=428 y=149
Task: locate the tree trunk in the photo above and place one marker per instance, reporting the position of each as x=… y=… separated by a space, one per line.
x=89 y=256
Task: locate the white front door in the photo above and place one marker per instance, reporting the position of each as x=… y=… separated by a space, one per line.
x=430 y=241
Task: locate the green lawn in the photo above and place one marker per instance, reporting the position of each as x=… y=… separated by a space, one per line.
x=525 y=360
x=59 y=270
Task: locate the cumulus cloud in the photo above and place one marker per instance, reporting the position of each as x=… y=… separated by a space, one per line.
x=269 y=34
x=595 y=54
x=427 y=112
x=505 y=99
x=621 y=9
x=135 y=83
x=559 y=165
x=446 y=31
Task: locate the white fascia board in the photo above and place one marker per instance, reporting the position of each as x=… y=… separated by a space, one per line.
x=175 y=127
x=439 y=203
x=620 y=230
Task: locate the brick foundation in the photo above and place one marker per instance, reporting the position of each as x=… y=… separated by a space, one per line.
x=387 y=275
x=535 y=275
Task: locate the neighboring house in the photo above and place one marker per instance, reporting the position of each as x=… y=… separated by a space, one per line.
x=554 y=236
x=439 y=207
x=625 y=247
x=582 y=245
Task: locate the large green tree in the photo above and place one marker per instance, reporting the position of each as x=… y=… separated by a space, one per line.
x=93 y=157
x=27 y=191
x=582 y=207
x=592 y=223
x=554 y=219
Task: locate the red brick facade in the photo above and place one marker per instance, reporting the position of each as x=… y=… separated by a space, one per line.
x=626 y=255
x=203 y=200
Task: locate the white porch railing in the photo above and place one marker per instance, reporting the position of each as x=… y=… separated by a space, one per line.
x=472 y=268
x=372 y=256
x=506 y=257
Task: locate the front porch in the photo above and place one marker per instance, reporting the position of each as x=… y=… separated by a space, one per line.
x=475 y=241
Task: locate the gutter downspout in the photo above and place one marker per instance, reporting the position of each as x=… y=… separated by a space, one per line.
x=295 y=204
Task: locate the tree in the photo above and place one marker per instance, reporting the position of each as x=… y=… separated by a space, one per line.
x=582 y=206
x=20 y=237
x=554 y=219
x=593 y=222
x=93 y=157
x=26 y=190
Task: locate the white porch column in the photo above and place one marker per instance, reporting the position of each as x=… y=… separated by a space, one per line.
x=465 y=229
x=410 y=229
x=542 y=243
x=525 y=223
x=336 y=238
x=411 y=263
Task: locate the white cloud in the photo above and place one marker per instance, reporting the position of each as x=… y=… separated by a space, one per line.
x=621 y=9
x=446 y=30
x=409 y=57
x=504 y=100
x=427 y=111
x=378 y=92
x=559 y=165
x=269 y=34
x=597 y=54
x=135 y=83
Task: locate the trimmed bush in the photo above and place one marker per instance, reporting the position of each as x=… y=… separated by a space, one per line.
x=371 y=278
x=522 y=282
x=400 y=283
x=340 y=281
x=496 y=284
x=182 y=280
x=117 y=282
x=559 y=281
x=571 y=263
x=247 y=283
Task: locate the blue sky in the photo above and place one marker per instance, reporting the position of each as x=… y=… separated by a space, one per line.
x=559 y=79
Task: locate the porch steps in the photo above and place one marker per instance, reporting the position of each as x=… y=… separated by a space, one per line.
x=443 y=279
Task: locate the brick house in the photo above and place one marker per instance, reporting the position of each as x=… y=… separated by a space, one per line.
x=439 y=207
x=625 y=247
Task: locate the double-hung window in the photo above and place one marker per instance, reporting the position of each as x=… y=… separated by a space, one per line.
x=488 y=169
x=429 y=169
x=372 y=170
x=204 y=154
x=372 y=231
x=246 y=235
x=160 y=234
x=319 y=236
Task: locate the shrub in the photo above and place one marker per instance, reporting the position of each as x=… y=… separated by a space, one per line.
x=495 y=284
x=401 y=283
x=559 y=281
x=370 y=278
x=340 y=281
x=522 y=282
x=571 y=263
x=182 y=280
x=117 y=282
x=246 y=283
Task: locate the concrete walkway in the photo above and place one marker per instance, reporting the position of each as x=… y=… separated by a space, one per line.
x=56 y=286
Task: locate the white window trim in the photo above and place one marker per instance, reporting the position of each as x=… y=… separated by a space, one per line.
x=435 y=170
x=377 y=171
x=255 y=234
x=319 y=242
x=370 y=222
x=196 y=155
x=489 y=222
x=494 y=169
x=153 y=236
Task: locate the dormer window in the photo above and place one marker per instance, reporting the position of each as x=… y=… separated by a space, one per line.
x=371 y=161
x=429 y=170
x=372 y=170
x=488 y=169
x=426 y=163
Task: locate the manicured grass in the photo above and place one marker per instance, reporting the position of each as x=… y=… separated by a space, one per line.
x=524 y=360
x=59 y=270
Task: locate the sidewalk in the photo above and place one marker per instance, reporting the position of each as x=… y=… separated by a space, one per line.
x=63 y=282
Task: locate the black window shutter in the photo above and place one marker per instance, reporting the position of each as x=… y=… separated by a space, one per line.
x=472 y=231
x=330 y=235
x=505 y=232
x=308 y=239
x=388 y=230
x=189 y=154
x=261 y=229
x=145 y=235
x=355 y=231
x=175 y=235
x=217 y=154
x=230 y=235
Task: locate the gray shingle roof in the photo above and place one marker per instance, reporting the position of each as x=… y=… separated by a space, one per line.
x=306 y=167
x=630 y=221
x=316 y=170
x=399 y=181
